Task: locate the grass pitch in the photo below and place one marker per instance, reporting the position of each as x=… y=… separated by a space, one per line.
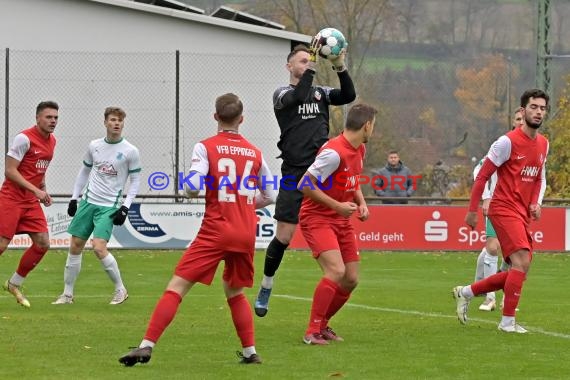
x=399 y=324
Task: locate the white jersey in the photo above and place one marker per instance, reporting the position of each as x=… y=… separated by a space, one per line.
x=491 y=183
x=111 y=164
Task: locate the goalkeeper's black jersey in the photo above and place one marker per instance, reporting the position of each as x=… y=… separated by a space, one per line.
x=304 y=126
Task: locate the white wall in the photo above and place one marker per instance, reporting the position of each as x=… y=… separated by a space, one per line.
x=86 y=56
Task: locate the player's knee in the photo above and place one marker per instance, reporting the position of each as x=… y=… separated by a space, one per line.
x=336 y=274
x=42 y=245
x=350 y=283
x=100 y=252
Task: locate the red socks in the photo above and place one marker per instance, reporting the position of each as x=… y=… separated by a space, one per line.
x=340 y=298
x=490 y=284
x=322 y=300
x=513 y=287
x=162 y=315
x=243 y=319
x=30 y=259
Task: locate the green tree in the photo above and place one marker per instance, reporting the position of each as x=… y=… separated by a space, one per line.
x=483 y=92
x=558 y=133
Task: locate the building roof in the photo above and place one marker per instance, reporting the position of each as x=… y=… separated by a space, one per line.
x=173 y=4
x=204 y=19
x=232 y=14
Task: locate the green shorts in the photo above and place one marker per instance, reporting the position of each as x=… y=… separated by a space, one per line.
x=94 y=219
x=489 y=230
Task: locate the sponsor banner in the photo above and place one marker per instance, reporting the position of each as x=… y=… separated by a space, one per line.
x=149 y=225
x=442 y=228
x=174 y=226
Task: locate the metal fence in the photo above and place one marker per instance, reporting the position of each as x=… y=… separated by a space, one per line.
x=431 y=110
x=168 y=97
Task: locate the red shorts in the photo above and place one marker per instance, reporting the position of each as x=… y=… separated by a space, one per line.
x=200 y=261
x=513 y=234
x=20 y=218
x=327 y=235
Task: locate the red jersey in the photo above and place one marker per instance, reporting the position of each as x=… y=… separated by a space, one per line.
x=34 y=152
x=520 y=162
x=337 y=167
x=231 y=166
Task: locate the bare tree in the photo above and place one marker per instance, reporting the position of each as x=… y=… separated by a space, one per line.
x=359 y=20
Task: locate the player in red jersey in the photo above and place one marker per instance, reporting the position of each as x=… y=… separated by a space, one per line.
x=232 y=170
x=26 y=165
x=332 y=195
x=519 y=157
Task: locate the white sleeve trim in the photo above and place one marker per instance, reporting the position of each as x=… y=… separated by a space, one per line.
x=20 y=147
x=325 y=164
x=267 y=193
x=500 y=151
x=200 y=161
x=543 y=178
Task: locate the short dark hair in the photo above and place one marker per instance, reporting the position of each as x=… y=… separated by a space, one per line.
x=297 y=49
x=393 y=151
x=228 y=107
x=47 y=104
x=115 y=111
x=358 y=115
x=533 y=93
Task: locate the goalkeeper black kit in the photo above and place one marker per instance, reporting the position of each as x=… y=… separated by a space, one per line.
x=302 y=112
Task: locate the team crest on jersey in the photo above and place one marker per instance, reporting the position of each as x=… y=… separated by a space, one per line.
x=120 y=155
x=317 y=95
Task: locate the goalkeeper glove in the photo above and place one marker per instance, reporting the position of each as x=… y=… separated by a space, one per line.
x=72 y=207
x=314 y=49
x=338 y=62
x=120 y=216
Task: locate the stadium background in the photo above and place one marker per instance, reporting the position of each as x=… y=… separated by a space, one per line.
x=441 y=105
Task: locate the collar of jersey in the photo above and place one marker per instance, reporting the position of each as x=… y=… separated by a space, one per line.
x=115 y=142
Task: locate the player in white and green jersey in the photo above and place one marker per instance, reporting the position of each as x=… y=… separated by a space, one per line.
x=107 y=165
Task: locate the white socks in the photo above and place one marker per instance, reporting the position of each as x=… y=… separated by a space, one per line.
x=267 y=282
x=248 y=351
x=479 y=271
x=146 y=343
x=489 y=269
x=72 y=269
x=505 y=321
x=16 y=279
x=467 y=292
x=112 y=268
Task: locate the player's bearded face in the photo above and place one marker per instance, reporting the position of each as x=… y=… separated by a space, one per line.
x=298 y=64
x=535 y=112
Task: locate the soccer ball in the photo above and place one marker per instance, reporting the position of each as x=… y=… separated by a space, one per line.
x=332 y=43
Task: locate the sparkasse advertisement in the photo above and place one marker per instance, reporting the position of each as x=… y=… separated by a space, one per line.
x=390 y=227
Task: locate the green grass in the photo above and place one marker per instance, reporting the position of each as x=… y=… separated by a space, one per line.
x=399 y=324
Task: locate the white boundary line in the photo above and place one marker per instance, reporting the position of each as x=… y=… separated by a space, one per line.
x=354 y=305
x=424 y=314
